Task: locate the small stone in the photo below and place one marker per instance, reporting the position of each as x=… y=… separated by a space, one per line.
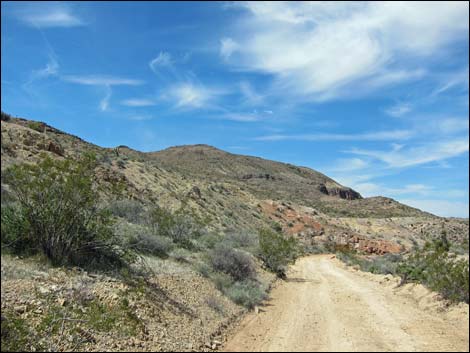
x=61 y=301
x=20 y=309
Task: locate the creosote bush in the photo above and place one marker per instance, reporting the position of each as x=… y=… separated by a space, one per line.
x=235 y=263
x=128 y=209
x=277 y=251
x=36 y=125
x=56 y=213
x=438 y=269
x=432 y=265
x=179 y=226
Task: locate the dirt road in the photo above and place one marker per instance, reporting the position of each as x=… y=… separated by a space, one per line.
x=324 y=306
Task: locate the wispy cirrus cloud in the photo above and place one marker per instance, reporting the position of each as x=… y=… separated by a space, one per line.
x=138 y=102
x=401 y=156
x=443 y=208
x=452 y=80
x=162 y=60
x=399 y=109
x=101 y=80
x=378 y=37
x=227 y=47
x=104 y=103
x=48 y=15
x=192 y=95
x=50 y=70
x=367 y=136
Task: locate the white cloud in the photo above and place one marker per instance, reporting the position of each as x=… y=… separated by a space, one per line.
x=372 y=189
x=451 y=125
x=162 y=60
x=441 y=208
x=104 y=103
x=399 y=109
x=105 y=81
x=321 y=50
x=138 y=102
x=241 y=117
x=191 y=95
x=456 y=79
x=48 y=14
x=349 y=165
x=140 y=117
x=422 y=154
x=368 y=136
x=227 y=47
x=51 y=69
x=249 y=93
x=97 y=80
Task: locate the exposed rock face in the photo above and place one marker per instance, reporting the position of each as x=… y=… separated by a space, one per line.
x=370 y=246
x=343 y=193
x=195 y=193
x=55 y=148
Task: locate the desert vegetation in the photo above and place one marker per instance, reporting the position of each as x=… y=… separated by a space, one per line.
x=432 y=265
x=56 y=212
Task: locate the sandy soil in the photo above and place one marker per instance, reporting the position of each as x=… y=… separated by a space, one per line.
x=324 y=306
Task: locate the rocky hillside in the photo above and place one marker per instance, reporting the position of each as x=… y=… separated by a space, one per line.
x=184 y=296
x=231 y=191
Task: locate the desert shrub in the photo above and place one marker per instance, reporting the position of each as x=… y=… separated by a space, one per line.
x=242 y=240
x=151 y=244
x=277 y=251
x=121 y=163
x=384 y=264
x=247 y=293
x=232 y=262
x=221 y=280
x=14 y=230
x=181 y=255
x=57 y=213
x=36 y=125
x=437 y=269
x=17 y=335
x=208 y=240
x=5 y=117
x=128 y=209
x=204 y=269
x=179 y=226
x=215 y=305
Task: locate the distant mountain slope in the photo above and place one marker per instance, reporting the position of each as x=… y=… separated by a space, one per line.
x=23 y=139
x=233 y=192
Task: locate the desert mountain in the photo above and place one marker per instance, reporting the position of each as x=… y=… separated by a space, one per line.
x=230 y=191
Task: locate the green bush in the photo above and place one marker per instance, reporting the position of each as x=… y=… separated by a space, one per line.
x=179 y=226
x=127 y=209
x=247 y=293
x=235 y=263
x=57 y=213
x=150 y=244
x=432 y=265
x=36 y=125
x=5 y=117
x=439 y=270
x=242 y=240
x=277 y=251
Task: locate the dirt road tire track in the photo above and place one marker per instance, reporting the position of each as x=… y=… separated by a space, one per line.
x=323 y=306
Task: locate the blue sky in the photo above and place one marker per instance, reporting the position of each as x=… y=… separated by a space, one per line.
x=374 y=95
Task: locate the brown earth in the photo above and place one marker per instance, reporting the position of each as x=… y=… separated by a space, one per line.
x=324 y=306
